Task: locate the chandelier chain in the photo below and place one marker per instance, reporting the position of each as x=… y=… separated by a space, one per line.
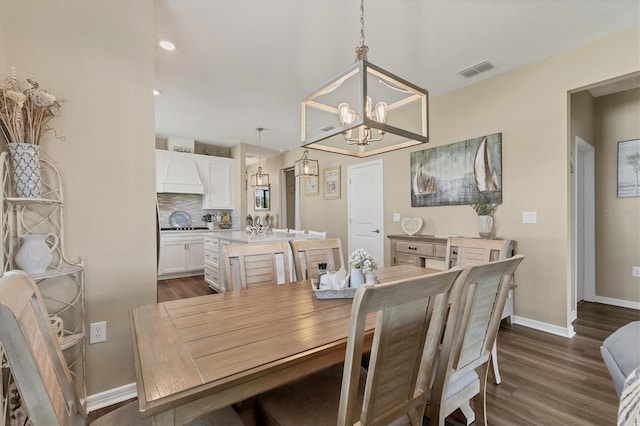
x=361 y=22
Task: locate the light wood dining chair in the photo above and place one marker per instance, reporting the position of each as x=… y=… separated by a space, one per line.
x=408 y=328
x=255 y=264
x=39 y=368
x=463 y=251
x=307 y=254
x=477 y=299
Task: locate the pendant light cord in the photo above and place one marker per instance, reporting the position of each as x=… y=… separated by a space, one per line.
x=259 y=129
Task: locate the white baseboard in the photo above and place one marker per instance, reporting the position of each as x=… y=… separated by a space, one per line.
x=567 y=332
x=111 y=396
x=618 y=302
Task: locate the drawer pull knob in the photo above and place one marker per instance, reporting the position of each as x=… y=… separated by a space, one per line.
x=413 y=248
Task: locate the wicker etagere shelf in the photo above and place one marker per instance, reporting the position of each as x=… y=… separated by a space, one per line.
x=62 y=285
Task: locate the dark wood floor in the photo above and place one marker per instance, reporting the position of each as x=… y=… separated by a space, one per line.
x=546 y=379
x=181 y=288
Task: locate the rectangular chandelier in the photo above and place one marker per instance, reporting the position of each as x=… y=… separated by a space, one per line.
x=364 y=111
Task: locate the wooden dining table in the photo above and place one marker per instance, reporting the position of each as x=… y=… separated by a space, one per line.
x=196 y=355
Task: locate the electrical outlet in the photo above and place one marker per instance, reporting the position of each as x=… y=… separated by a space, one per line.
x=98 y=332
x=636 y=271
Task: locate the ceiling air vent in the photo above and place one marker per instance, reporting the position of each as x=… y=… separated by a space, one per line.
x=476 y=69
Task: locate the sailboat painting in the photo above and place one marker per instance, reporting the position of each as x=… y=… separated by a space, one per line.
x=458 y=173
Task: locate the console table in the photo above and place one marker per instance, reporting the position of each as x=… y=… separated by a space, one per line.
x=418 y=250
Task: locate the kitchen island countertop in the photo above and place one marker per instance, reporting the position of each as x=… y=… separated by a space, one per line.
x=248 y=238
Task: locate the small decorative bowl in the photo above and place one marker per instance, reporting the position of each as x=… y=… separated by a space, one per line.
x=225 y=225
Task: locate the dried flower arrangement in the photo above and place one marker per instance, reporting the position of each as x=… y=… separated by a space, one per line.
x=360 y=259
x=25 y=110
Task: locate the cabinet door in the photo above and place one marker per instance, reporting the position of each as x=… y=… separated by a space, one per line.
x=174 y=257
x=195 y=256
x=219 y=184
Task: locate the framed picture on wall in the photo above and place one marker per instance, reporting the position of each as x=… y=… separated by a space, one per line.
x=331 y=183
x=311 y=185
x=629 y=168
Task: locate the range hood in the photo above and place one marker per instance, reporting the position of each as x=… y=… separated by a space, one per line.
x=176 y=172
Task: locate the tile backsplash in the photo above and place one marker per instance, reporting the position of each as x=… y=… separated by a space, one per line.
x=192 y=205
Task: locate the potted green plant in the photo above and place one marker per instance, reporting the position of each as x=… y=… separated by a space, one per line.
x=484 y=210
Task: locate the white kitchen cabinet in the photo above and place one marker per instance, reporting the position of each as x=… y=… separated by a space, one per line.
x=181 y=254
x=177 y=172
x=213 y=264
x=216 y=174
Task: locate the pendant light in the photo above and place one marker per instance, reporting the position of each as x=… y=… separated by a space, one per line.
x=365 y=110
x=260 y=178
x=306 y=167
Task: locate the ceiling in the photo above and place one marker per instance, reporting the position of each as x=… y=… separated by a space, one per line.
x=243 y=64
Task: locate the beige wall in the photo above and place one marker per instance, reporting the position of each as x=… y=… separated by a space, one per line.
x=99 y=57
x=582 y=117
x=617 y=118
x=272 y=167
x=530 y=107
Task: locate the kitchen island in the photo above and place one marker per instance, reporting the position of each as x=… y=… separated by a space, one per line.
x=214 y=271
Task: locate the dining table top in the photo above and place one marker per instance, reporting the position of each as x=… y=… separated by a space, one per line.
x=208 y=352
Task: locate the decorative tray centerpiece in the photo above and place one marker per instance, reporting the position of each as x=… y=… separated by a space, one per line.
x=334 y=285
x=330 y=293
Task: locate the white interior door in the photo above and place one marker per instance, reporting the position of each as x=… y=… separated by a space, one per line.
x=584 y=222
x=365 y=208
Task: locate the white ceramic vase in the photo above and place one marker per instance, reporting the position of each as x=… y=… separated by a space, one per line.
x=35 y=255
x=485 y=225
x=25 y=159
x=357 y=277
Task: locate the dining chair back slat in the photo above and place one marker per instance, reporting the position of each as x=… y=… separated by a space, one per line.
x=409 y=321
x=477 y=300
x=41 y=373
x=32 y=350
x=462 y=251
x=257 y=264
x=307 y=254
x=403 y=343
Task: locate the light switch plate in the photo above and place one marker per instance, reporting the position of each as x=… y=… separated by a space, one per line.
x=396 y=217
x=636 y=271
x=529 y=217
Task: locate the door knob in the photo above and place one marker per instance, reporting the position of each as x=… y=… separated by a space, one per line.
x=377 y=231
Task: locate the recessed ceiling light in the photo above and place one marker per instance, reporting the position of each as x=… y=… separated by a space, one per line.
x=167 y=45
x=156 y=92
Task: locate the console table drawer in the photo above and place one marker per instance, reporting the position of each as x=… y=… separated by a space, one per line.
x=422 y=249
x=407 y=259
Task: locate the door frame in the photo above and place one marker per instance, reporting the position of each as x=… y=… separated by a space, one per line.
x=584 y=158
x=282 y=221
x=380 y=164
